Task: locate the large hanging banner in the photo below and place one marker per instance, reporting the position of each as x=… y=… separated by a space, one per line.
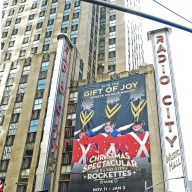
x=111 y=150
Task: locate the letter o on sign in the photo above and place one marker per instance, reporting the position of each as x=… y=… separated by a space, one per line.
x=59 y=108
x=164 y=80
x=61 y=89
x=64 y=68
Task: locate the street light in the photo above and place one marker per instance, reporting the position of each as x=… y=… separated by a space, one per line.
x=152 y=186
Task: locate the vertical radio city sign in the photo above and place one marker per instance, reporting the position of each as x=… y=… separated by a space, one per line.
x=53 y=120
x=170 y=132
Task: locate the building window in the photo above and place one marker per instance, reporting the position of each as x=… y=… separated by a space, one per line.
x=64 y=30
x=8 y=56
x=41 y=84
x=2 y=119
x=11 y=12
x=21 y=187
x=18 y=20
x=26 y=70
x=64 y=185
x=53 y=10
x=42 y=13
x=74 y=27
x=39 y=93
x=26 y=163
x=50 y=22
x=23 y=79
x=75 y=15
x=112 y=17
x=5 y=4
x=4 y=34
x=22 y=87
x=77 y=3
x=111 y=68
x=37 y=104
x=112 y=41
x=25 y=40
x=11 y=43
x=19 y=97
x=10 y=80
x=37 y=37
x=39 y=25
x=65 y=17
x=27 y=61
x=15 y=117
x=8 y=22
x=112 y=28
x=111 y=54
x=31 y=16
x=34 y=50
x=22 y=52
x=28 y=28
x=21 y=9
x=67 y=6
x=42 y=74
x=14 y=2
x=14 y=65
x=101 y=56
x=31 y=137
x=48 y=34
x=35 y=114
x=71 y=119
x=44 y=2
x=33 y=125
x=44 y=65
x=17 y=107
x=14 y=31
x=4 y=165
x=34 y=6
x=46 y=47
x=9 y=140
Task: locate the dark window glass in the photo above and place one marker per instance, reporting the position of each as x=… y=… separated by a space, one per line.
x=31 y=16
x=45 y=47
x=42 y=13
x=37 y=37
x=75 y=15
x=50 y=22
x=25 y=40
x=39 y=25
x=65 y=17
x=34 y=6
x=53 y=10
x=67 y=6
x=18 y=20
x=28 y=28
x=48 y=34
x=11 y=12
x=11 y=43
x=21 y=9
x=14 y=31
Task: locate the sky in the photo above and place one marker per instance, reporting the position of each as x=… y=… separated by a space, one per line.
x=181 y=51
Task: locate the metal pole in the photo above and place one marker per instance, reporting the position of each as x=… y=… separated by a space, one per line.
x=144 y=15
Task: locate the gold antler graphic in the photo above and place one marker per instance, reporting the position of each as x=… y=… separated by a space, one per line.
x=86 y=118
x=137 y=109
x=110 y=112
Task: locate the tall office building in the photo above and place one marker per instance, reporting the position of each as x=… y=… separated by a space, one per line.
x=101 y=40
